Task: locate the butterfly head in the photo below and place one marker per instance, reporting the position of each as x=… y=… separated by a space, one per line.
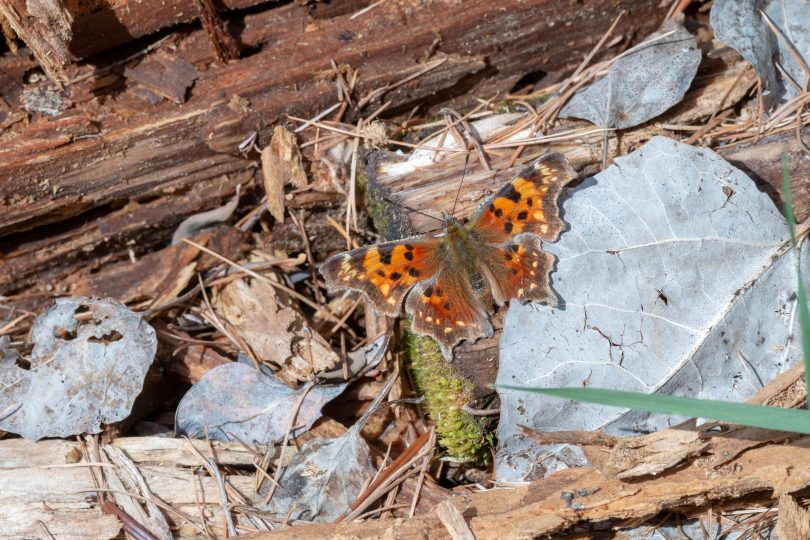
x=450 y=223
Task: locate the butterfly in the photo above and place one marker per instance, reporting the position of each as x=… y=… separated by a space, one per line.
x=496 y=256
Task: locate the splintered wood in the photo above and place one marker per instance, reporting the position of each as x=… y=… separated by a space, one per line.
x=45 y=26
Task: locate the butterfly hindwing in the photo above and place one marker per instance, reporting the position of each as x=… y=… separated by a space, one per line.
x=383 y=272
x=446 y=309
x=527 y=203
x=520 y=270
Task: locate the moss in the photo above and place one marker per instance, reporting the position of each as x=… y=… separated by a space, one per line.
x=387 y=217
x=446 y=391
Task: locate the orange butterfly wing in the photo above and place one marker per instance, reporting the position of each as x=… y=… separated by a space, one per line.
x=384 y=272
x=520 y=270
x=446 y=309
x=527 y=204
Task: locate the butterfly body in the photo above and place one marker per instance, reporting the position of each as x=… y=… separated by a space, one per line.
x=445 y=277
x=459 y=246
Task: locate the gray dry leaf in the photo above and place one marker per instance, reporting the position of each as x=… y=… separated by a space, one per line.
x=740 y=25
x=641 y=85
x=255 y=406
x=82 y=374
x=323 y=479
x=281 y=165
x=237 y=402
x=275 y=333
x=676 y=277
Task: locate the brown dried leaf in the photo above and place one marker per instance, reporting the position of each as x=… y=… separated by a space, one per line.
x=281 y=165
x=275 y=333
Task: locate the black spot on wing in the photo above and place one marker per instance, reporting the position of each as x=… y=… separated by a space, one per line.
x=385 y=255
x=512 y=194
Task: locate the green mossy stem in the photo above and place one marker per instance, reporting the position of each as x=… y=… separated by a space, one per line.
x=446 y=391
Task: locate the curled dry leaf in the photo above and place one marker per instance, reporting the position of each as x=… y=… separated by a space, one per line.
x=275 y=333
x=677 y=277
x=742 y=26
x=237 y=401
x=323 y=480
x=281 y=165
x=641 y=85
x=87 y=367
x=198 y=222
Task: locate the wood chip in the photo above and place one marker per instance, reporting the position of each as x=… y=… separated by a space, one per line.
x=281 y=165
x=169 y=77
x=794 y=520
x=453 y=521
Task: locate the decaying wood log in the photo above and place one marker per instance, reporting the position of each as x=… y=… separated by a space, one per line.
x=114 y=22
x=76 y=168
x=46 y=488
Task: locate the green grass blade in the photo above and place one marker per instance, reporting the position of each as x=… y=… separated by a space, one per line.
x=737 y=413
x=804 y=314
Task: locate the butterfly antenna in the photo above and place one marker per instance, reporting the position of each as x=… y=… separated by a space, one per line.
x=458 y=191
x=395 y=203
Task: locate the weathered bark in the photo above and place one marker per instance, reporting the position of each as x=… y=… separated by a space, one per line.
x=76 y=168
x=115 y=22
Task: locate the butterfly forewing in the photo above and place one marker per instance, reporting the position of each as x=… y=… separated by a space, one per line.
x=384 y=272
x=526 y=204
x=446 y=309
